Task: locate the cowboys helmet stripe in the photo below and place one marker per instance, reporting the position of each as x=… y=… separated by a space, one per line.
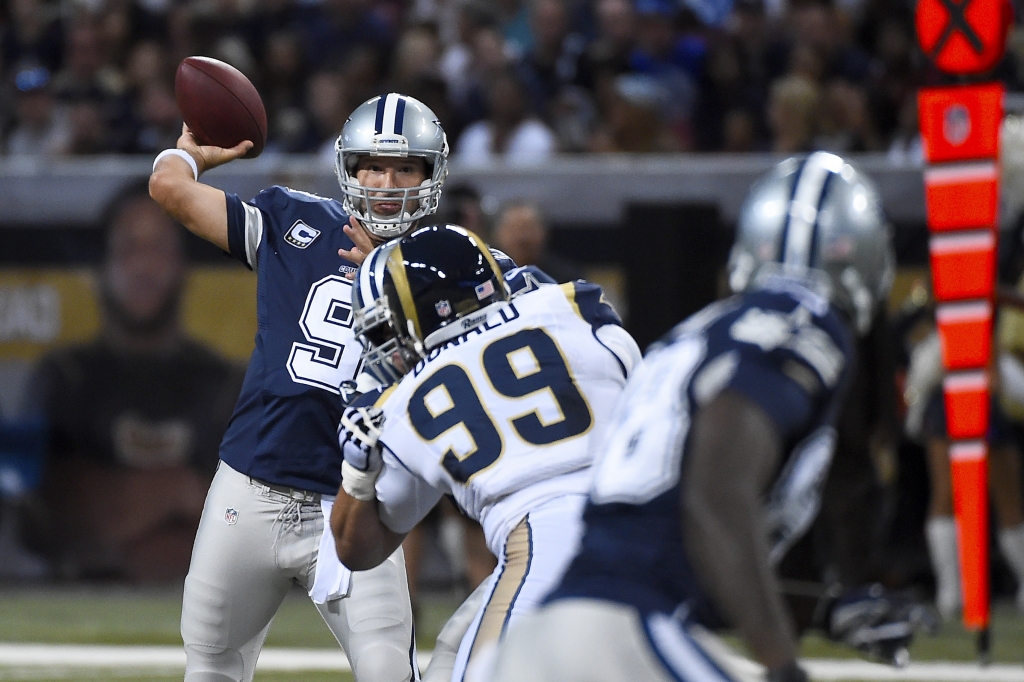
x=399 y=115
x=810 y=188
x=378 y=123
x=390 y=112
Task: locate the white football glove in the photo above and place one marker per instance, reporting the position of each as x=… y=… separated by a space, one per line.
x=358 y=436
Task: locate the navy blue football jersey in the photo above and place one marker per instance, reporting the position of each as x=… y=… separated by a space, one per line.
x=284 y=425
x=785 y=350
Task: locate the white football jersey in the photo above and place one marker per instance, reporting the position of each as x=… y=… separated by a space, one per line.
x=506 y=416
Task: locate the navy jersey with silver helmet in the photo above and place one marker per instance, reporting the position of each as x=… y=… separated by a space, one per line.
x=784 y=349
x=284 y=425
x=813 y=260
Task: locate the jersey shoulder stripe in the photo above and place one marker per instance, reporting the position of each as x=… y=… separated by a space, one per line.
x=588 y=301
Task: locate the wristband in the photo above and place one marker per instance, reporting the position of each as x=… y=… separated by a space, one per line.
x=183 y=154
x=361 y=485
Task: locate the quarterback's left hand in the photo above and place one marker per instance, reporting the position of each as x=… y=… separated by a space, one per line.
x=358 y=436
x=362 y=244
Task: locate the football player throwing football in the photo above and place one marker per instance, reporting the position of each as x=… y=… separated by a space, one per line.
x=263 y=525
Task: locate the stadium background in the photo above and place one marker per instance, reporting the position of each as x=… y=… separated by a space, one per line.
x=668 y=112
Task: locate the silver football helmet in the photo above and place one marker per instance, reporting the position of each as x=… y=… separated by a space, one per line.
x=397 y=126
x=819 y=220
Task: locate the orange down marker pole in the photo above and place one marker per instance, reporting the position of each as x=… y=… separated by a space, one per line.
x=960 y=127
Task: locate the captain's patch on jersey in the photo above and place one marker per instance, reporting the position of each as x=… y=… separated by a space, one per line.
x=300 y=235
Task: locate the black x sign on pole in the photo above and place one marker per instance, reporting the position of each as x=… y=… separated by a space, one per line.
x=957 y=22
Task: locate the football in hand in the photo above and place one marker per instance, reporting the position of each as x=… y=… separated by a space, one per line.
x=220 y=105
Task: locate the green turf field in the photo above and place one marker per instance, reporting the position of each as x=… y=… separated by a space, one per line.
x=122 y=616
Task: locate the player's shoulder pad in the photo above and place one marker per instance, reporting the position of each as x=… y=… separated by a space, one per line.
x=505 y=263
x=526 y=278
x=589 y=302
x=820 y=342
x=277 y=197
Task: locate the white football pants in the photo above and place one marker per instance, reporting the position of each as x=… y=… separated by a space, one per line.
x=591 y=640
x=253 y=544
x=532 y=560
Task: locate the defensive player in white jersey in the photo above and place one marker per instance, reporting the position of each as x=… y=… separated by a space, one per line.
x=734 y=406
x=262 y=528
x=501 y=404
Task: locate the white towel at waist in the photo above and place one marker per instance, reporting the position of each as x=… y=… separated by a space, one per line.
x=333 y=579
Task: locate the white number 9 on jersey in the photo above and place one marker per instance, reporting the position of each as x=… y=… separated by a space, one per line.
x=326 y=323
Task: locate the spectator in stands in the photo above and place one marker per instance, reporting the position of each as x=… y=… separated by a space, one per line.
x=88 y=129
x=520 y=231
x=609 y=53
x=333 y=29
x=34 y=33
x=489 y=58
x=846 y=124
x=553 y=62
x=363 y=68
x=739 y=131
x=41 y=125
x=634 y=119
x=793 y=110
x=417 y=56
x=85 y=75
x=135 y=416
x=510 y=133
x=726 y=93
x=283 y=77
x=159 y=122
x=147 y=62
x=674 y=59
x=463 y=205
x=905 y=146
x=514 y=21
x=457 y=62
x=329 y=107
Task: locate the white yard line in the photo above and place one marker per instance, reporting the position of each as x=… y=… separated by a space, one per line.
x=16 y=660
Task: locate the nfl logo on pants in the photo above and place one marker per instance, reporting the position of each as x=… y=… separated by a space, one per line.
x=230 y=516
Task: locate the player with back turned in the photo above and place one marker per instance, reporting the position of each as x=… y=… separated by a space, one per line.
x=734 y=404
x=263 y=524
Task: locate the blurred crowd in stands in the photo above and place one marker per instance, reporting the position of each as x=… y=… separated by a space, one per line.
x=518 y=79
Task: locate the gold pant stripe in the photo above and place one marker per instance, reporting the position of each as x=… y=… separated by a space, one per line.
x=518 y=554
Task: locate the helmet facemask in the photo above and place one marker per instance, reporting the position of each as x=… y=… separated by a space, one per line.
x=416 y=202
x=388 y=353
